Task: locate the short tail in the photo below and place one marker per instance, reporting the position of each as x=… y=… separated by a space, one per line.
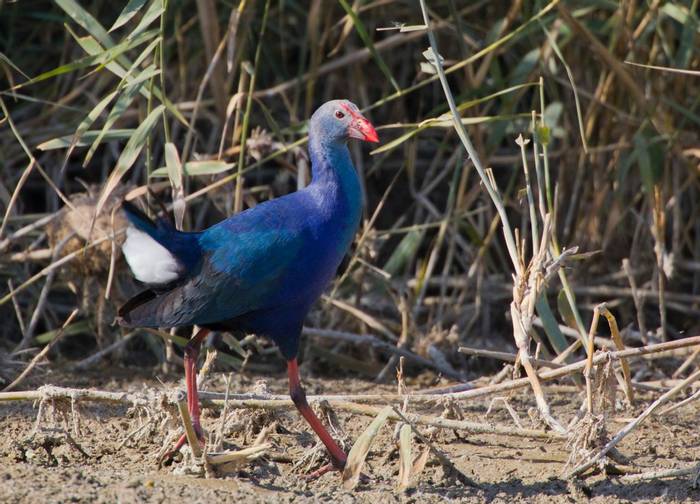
x=147 y=249
x=143 y=222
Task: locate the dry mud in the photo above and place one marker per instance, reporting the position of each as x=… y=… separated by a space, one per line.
x=107 y=453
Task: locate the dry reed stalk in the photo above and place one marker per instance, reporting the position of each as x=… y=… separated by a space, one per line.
x=43 y=296
x=52 y=392
x=211 y=71
x=237 y=457
x=631 y=426
x=209 y=27
x=680 y=404
x=366 y=339
x=528 y=281
x=95 y=358
x=13 y=200
x=578 y=366
x=686 y=363
x=25 y=230
x=192 y=440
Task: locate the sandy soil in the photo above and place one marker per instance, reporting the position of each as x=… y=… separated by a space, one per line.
x=105 y=465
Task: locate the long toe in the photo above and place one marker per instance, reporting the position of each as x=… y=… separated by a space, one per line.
x=319 y=472
x=168 y=456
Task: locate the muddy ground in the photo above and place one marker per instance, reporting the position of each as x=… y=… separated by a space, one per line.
x=105 y=464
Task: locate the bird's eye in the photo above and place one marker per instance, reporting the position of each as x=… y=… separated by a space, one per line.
x=339 y=114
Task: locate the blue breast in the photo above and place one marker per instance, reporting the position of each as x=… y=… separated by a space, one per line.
x=267 y=266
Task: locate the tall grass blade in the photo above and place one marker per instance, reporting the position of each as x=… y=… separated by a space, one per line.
x=570 y=76
x=172 y=162
x=128 y=12
x=86 y=139
x=121 y=105
x=83 y=18
x=129 y=154
x=105 y=57
x=154 y=11
x=197 y=168
x=358 y=452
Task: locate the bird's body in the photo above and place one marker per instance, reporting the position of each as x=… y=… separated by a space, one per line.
x=258 y=271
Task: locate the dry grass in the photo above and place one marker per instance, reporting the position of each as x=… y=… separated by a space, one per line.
x=539 y=160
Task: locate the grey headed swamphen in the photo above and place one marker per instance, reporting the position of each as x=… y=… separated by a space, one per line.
x=258 y=271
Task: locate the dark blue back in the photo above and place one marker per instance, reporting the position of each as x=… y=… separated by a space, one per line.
x=261 y=270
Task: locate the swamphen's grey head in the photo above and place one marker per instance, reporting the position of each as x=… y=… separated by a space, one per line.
x=340 y=120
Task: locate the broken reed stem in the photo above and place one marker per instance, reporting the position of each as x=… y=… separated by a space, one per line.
x=663 y=473
x=187 y=423
x=526 y=288
x=686 y=363
x=589 y=359
x=243 y=455
x=617 y=339
x=680 y=404
x=622 y=433
x=446 y=463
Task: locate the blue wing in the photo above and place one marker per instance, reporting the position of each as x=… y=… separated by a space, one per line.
x=236 y=266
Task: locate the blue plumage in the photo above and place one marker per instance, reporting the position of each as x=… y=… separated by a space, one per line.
x=258 y=271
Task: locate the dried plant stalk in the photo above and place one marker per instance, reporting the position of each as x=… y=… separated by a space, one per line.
x=358 y=452
x=187 y=423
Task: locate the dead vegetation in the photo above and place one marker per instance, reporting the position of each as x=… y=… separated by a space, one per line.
x=538 y=173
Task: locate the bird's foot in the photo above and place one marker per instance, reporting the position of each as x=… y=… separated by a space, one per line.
x=168 y=456
x=319 y=472
x=334 y=465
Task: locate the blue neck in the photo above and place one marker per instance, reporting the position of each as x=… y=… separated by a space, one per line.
x=329 y=159
x=334 y=179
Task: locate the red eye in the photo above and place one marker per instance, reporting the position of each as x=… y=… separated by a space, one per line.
x=339 y=114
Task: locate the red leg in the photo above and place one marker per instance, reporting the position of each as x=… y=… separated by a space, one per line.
x=296 y=391
x=191 y=354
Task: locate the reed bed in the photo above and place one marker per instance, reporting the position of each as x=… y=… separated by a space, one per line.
x=534 y=199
